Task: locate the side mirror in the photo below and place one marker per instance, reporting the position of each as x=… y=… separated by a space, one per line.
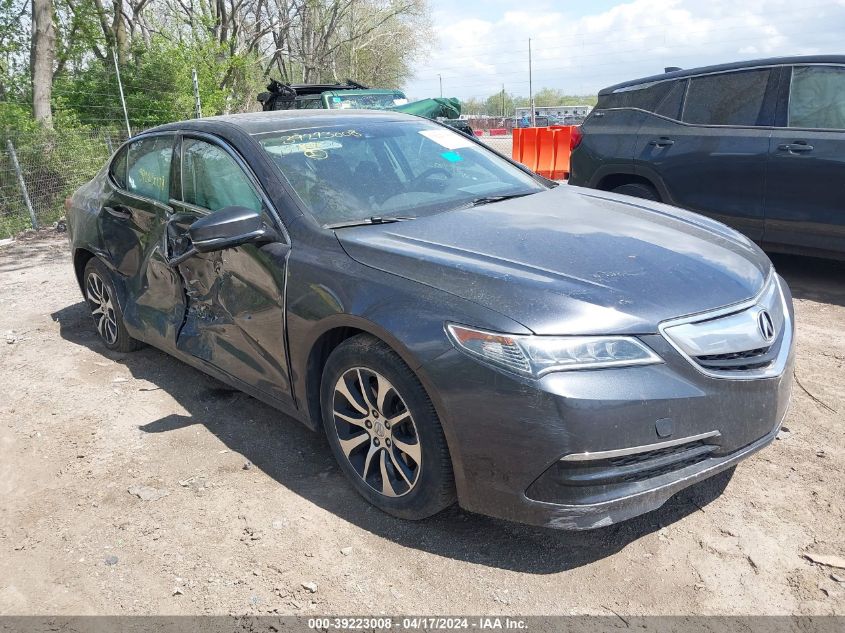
x=231 y=226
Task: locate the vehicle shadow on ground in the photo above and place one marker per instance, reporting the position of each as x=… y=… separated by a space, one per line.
x=821 y=280
x=301 y=461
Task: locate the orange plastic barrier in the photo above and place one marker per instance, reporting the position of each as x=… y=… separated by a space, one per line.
x=498 y=131
x=528 y=147
x=544 y=150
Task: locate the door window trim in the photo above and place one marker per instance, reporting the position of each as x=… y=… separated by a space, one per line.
x=132 y=194
x=217 y=141
x=689 y=78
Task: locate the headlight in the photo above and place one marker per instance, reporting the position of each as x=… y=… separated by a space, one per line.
x=539 y=355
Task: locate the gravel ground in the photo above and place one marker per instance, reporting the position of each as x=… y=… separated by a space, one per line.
x=133 y=484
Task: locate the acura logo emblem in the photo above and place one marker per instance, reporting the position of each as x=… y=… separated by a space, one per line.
x=767 y=327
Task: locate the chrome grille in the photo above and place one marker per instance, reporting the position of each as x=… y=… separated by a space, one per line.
x=749 y=340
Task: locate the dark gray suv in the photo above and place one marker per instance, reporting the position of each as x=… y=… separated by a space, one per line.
x=758 y=145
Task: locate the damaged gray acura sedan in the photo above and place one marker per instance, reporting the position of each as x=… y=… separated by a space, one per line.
x=460 y=328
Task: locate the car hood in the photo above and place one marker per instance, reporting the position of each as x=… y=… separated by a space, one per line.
x=571 y=260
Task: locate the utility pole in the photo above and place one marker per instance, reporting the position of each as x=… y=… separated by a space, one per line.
x=530 y=86
x=440 y=77
x=122 y=98
x=503 y=101
x=197 y=104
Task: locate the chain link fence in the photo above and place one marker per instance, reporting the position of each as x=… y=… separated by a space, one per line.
x=38 y=171
x=502 y=144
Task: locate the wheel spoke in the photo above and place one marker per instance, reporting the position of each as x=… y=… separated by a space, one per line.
x=396 y=419
x=411 y=450
x=94 y=293
x=343 y=389
x=364 y=393
x=350 y=420
x=384 y=387
x=111 y=329
x=97 y=310
x=368 y=461
x=400 y=467
x=386 y=486
x=349 y=445
x=101 y=326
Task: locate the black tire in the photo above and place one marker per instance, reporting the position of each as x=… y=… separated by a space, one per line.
x=101 y=297
x=425 y=488
x=638 y=190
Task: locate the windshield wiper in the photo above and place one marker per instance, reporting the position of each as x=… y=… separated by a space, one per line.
x=376 y=219
x=488 y=199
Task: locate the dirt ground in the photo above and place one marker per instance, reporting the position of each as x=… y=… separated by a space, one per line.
x=133 y=484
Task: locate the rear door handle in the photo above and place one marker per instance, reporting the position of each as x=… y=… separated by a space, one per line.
x=119 y=212
x=795 y=147
x=661 y=142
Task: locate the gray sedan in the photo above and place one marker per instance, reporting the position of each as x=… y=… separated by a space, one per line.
x=458 y=327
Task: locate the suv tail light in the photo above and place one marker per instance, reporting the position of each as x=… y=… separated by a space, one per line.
x=575 y=139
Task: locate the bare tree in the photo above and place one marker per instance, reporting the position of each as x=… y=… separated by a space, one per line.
x=43 y=53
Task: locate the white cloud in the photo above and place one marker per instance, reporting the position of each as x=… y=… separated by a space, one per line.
x=482 y=45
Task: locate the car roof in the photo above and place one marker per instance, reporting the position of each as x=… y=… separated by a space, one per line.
x=281 y=120
x=770 y=61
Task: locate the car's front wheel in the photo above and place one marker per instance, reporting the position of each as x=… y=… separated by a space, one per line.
x=101 y=297
x=384 y=431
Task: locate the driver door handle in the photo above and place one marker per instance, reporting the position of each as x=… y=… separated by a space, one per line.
x=119 y=211
x=795 y=147
x=661 y=142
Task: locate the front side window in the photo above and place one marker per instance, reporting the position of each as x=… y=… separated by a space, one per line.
x=351 y=172
x=211 y=178
x=737 y=98
x=148 y=167
x=817 y=97
x=118 y=168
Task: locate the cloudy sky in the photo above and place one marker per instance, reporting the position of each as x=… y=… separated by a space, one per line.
x=581 y=46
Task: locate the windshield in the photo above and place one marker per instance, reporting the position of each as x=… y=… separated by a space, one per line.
x=366 y=100
x=382 y=169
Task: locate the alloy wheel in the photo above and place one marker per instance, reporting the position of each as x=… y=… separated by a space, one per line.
x=376 y=432
x=102 y=307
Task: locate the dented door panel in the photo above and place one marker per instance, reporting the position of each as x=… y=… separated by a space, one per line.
x=234 y=311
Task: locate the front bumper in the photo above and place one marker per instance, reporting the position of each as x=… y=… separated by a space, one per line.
x=594 y=515
x=513 y=440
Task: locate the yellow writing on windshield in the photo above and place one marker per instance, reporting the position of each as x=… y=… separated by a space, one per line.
x=317 y=136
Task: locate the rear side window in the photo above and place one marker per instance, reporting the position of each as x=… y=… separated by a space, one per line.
x=737 y=98
x=817 y=97
x=645 y=97
x=671 y=105
x=148 y=167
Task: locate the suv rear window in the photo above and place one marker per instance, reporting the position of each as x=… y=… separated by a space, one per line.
x=737 y=98
x=646 y=97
